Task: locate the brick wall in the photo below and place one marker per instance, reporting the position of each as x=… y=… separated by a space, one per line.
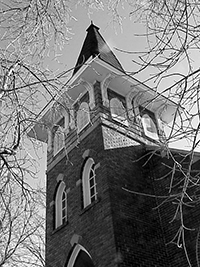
x=138 y=233
x=121 y=228
x=161 y=171
x=94 y=224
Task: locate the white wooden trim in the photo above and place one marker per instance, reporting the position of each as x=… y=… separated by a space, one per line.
x=75 y=253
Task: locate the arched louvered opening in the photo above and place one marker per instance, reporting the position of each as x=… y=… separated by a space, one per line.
x=83 y=116
x=149 y=126
x=118 y=112
x=79 y=258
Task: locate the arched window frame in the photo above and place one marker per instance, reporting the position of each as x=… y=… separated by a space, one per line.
x=60 y=205
x=90 y=88
x=89 y=183
x=49 y=140
x=132 y=103
x=83 y=116
x=75 y=253
x=148 y=120
x=118 y=111
x=60 y=129
x=104 y=88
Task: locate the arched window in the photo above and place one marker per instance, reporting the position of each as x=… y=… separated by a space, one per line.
x=149 y=127
x=79 y=258
x=83 y=116
x=89 y=183
x=60 y=205
x=59 y=133
x=118 y=111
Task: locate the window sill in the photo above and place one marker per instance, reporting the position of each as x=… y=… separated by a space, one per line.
x=89 y=206
x=121 y=120
x=60 y=227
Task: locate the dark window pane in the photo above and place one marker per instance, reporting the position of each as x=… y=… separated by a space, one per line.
x=91 y=173
x=63 y=195
x=91 y=182
x=93 y=199
x=92 y=191
x=83 y=260
x=63 y=213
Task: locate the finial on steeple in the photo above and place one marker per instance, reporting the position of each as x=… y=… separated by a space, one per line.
x=94 y=45
x=92 y=26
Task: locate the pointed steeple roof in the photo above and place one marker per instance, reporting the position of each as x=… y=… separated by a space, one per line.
x=94 y=45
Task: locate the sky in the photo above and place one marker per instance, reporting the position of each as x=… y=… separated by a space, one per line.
x=124 y=38
x=116 y=37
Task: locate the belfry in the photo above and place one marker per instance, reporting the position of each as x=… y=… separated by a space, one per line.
x=106 y=170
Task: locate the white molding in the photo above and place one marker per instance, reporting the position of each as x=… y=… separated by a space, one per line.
x=75 y=253
x=86 y=153
x=85 y=182
x=122 y=117
x=58 y=204
x=146 y=123
x=104 y=86
x=129 y=98
x=60 y=177
x=136 y=104
x=61 y=135
x=134 y=93
x=159 y=111
x=68 y=190
x=49 y=140
x=89 y=87
x=85 y=112
x=72 y=118
x=78 y=182
x=81 y=69
x=74 y=240
x=63 y=131
x=52 y=203
x=110 y=67
x=97 y=166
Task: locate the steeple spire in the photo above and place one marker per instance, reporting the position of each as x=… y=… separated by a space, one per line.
x=94 y=45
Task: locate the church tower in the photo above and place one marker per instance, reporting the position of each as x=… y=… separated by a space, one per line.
x=100 y=177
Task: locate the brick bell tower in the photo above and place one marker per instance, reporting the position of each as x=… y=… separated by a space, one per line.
x=98 y=135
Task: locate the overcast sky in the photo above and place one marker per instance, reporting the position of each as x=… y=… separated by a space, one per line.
x=116 y=37
x=122 y=38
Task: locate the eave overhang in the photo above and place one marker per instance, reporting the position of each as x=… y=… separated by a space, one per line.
x=95 y=69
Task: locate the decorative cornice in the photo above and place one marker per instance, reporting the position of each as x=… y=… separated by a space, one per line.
x=89 y=87
x=49 y=139
x=160 y=110
x=104 y=86
x=71 y=118
x=129 y=98
x=133 y=96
